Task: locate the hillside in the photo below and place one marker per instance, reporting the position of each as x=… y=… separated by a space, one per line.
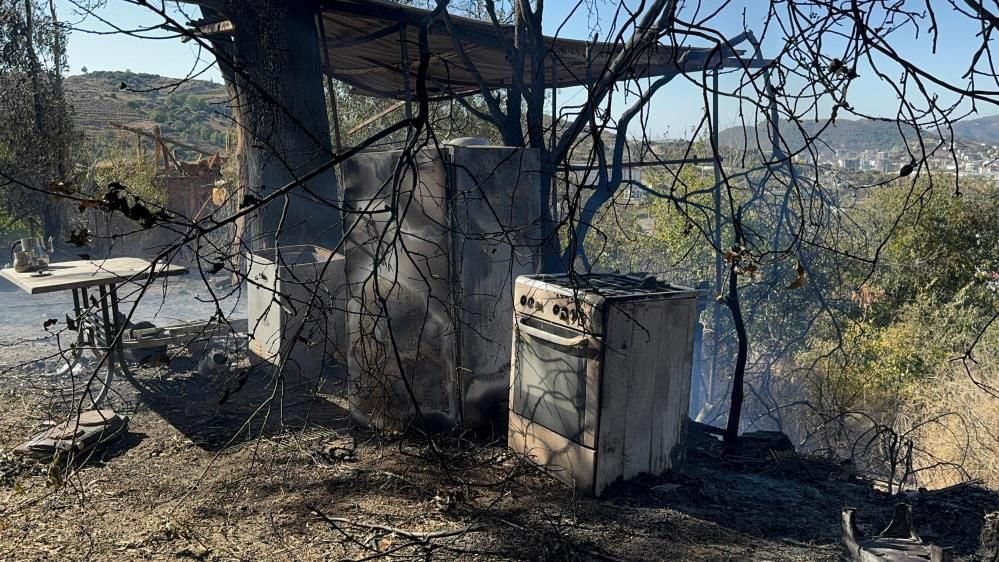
x=193 y=111
x=855 y=135
x=858 y=135
x=196 y=112
x=983 y=129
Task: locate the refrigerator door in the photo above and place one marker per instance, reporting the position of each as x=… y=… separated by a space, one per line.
x=495 y=212
x=433 y=248
x=401 y=336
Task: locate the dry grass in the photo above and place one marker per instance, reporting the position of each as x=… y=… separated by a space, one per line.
x=968 y=433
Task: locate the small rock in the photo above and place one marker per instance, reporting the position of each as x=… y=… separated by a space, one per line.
x=811 y=493
x=759 y=444
x=196 y=552
x=666 y=488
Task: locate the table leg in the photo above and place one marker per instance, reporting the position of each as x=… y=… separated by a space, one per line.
x=77 y=354
x=70 y=368
x=83 y=327
x=85 y=306
x=78 y=312
x=119 y=345
x=110 y=357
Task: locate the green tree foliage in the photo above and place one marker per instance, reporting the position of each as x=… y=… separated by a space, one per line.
x=117 y=164
x=36 y=133
x=936 y=283
x=901 y=279
x=641 y=231
x=946 y=248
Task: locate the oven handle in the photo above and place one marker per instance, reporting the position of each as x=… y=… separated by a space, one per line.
x=550 y=337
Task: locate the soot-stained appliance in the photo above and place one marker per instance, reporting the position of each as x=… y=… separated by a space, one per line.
x=600 y=375
x=295 y=308
x=434 y=241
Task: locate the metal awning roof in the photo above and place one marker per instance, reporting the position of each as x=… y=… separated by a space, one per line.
x=363 y=40
x=372 y=45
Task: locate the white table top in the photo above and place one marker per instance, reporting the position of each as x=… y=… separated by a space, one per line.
x=63 y=276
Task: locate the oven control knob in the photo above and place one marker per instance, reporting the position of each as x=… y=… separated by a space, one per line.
x=555 y=310
x=523 y=300
x=564 y=316
x=530 y=302
x=573 y=314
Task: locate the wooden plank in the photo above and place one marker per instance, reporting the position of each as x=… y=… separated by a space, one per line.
x=682 y=394
x=376 y=116
x=617 y=363
x=181 y=334
x=664 y=389
x=162 y=139
x=63 y=276
x=672 y=388
x=643 y=353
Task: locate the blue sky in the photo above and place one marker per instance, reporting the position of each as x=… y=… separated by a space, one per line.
x=676 y=109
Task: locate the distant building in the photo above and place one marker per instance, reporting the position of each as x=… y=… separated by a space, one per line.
x=849 y=164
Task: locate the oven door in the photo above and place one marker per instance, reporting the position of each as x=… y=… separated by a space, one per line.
x=555 y=378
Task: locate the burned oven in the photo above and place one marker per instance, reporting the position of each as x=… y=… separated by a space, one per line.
x=600 y=375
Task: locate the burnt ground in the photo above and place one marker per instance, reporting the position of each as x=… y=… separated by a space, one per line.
x=238 y=468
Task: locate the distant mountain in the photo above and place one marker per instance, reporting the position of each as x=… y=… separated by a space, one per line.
x=984 y=129
x=845 y=134
x=858 y=135
x=192 y=111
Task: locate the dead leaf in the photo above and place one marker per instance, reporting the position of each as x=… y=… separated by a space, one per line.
x=89 y=203
x=62 y=187
x=249 y=201
x=49 y=323
x=219 y=196
x=79 y=237
x=157 y=360
x=799 y=281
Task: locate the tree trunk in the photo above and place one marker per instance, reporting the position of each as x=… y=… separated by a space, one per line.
x=283 y=126
x=731 y=439
x=48 y=118
x=52 y=213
